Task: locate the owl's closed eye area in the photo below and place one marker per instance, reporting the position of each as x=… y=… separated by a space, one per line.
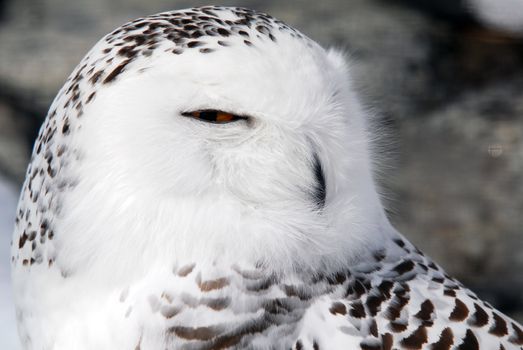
x=214 y=116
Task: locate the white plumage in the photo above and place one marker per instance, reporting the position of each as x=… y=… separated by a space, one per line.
x=142 y=225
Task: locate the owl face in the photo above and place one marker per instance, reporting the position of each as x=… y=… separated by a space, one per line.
x=217 y=147
x=160 y=125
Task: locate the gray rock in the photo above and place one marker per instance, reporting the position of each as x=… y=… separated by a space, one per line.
x=459 y=191
x=14 y=150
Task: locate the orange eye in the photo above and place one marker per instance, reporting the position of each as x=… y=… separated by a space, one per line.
x=223 y=117
x=217 y=117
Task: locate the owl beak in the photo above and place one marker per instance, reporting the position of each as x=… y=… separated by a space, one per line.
x=320 y=189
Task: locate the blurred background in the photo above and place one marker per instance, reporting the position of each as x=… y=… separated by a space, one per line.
x=443 y=78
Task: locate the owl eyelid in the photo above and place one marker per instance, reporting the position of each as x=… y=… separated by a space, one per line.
x=214 y=116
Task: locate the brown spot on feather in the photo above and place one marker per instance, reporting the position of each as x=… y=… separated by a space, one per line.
x=207 y=286
x=460 y=311
x=370 y=344
x=373 y=303
x=192 y=44
x=395 y=307
x=479 y=318
x=216 y=304
x=96 y=76
x=387 y=340
x=446 y=339
x=357 y=310
x=426 y=310
x=195 y=333
x=470 y=342
x=338 y=308
x=231 y=339
x=385 y=288
x=517 y=336
x=337 y=278
x=297 y=291
x=91 y=96
x=399 y=242
x=397 y=327
x=499 y=328
x=416 y=339
x=404 y=267
x=185 y=270
x=373 y=328
x=115 y=72
x=449 y=292
x=22 y=240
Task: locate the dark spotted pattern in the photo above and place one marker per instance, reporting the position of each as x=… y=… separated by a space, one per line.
x=470 y=342
x=127 y=50
x=399 y=304
x=480 y=317
x=517 y=335
x=499 y=328
x=460 y=311
x=446 y=339
x=416 y=339
x=338 y=308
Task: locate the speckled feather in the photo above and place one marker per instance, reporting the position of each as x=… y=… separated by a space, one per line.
x=398 y=299
x=384 y=294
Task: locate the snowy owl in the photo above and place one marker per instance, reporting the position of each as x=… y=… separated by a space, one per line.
x=204 y=180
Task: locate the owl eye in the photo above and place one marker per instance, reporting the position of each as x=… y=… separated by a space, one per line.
x=216 y=117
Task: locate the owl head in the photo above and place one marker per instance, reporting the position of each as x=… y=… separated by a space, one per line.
x=211 y=133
